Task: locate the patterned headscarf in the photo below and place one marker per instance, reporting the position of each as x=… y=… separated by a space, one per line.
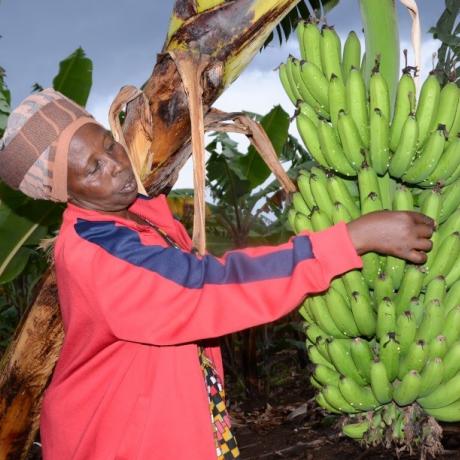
x=34 y=149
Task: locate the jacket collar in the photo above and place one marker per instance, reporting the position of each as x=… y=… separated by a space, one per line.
x=155 y=210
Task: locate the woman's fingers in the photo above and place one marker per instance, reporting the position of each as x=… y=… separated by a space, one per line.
x=424 y=231
x=423 y=244
x=420 y=218
x=416 y=257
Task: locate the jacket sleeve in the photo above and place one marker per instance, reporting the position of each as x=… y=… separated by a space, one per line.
x=163 y=295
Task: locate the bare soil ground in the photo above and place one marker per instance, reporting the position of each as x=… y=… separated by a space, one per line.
x=289 y=425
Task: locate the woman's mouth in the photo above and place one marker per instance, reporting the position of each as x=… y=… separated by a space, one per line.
x=129 y=186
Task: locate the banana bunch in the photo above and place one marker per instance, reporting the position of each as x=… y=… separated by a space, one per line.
x=385 y=339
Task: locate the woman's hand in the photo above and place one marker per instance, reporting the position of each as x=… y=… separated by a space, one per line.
x=403 y=234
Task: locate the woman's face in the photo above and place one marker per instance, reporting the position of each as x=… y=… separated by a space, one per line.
x=100 y=175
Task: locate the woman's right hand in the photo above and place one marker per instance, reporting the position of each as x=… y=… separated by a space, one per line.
x=403 y=234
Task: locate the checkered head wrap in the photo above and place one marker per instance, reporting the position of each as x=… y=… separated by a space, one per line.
x=34 y=149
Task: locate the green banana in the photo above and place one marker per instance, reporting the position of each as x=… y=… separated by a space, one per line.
x=313 y=332
x=450 y=201
x=429 y=157
x=380 y=384
x=356 y=94
x=452 y=361
x=437 y=348
x=402 y=201
x=321 y=345
x=338 y=285
x=299 y=204
x=414 y=359
x=448 y=102
x=361 y=354
x=339 y=352
x=316 y=82
x=303 y=184
x=325 y=375
x=435 y=289
x=432 y=322
x=387 y=187
x=351 y=58
x=290 y=78
x=411 y=286
x=340 y=213
x=341 y=313
x=307 y=110
x=449 y=413
x=389 y=352
x=332 y=150
x=417 y=309
x=305 y=314
x=315 y=384
x=311 y=44
x=291 y=219
x=406 y=329
x=431 y=377
x=405 y=152
x=379 y=150
x=363 y=314
x=404 y=105
x=446 y=256
x=386 y=318
x=317 y=358
x=368 y=184
x=371 y=267
x=454 y=131
x=333 y=396
x=304 y=91
x=443 y=395
x=284 y=78
x=379 y=96
x=453 y=275
x=331 y=53
x=449 y=162
x=356 y=430
x=408 y=389
x=451 y=225
x=321 y=315
x=360 y=397
x=451 y=328
x=302 y=223
x=431 y=206
x=351 y=140
x=452 y=296
x=321 y=400
x=383 y=288
x=354 y=282
x=318 y=187
x=320 y=219
x=337 y=99
x=299 y=32
x=340 y=193
x=427 y=107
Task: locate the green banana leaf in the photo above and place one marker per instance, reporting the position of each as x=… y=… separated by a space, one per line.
x=20 y=228
x=253 y=167
x=75 y=77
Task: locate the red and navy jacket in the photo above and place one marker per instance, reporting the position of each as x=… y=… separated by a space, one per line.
x=128 y=383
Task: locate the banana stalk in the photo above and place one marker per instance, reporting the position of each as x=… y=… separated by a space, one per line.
x=382 y=39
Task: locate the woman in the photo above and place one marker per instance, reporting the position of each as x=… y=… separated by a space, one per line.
x=139 y=375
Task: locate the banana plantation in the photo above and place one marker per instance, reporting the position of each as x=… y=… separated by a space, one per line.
x=369 y=368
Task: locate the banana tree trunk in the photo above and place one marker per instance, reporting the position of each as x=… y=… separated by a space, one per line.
x=229 y=33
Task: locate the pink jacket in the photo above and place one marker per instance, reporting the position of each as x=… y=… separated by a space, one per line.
x=128 y=384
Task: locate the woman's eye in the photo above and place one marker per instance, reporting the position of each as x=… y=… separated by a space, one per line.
x=95 y=168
